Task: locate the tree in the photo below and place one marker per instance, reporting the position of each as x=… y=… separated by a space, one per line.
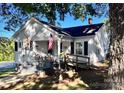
x=16 y=14
x=6 y=49
x=116 y=71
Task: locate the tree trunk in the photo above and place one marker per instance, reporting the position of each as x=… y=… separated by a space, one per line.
x=116 y=71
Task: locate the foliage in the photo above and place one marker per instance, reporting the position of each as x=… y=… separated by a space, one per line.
x=62 y=54
x=16 y=14
x=6 y=49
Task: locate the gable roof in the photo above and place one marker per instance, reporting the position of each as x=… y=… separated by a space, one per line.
x=77 y=31
x=55 y=28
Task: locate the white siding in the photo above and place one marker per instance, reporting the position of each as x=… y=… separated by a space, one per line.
x=42 y=46
x=90 y=49
x=40 y=34
x=66 y=47
x=37 y=33
x=101 y=43
x=82 y=40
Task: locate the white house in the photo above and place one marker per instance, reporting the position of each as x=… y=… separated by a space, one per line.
x=89 y=40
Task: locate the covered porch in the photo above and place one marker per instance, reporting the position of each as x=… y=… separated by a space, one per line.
x=40 y=46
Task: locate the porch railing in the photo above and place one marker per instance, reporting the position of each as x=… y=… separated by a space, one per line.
x=77 y=60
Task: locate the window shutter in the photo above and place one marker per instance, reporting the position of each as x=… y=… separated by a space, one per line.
x=31 y=45
x=16 y=46
x=72 y=47
x=61 y=47
x=85 y=48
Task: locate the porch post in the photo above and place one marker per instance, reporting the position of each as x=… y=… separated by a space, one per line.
x=59 y=44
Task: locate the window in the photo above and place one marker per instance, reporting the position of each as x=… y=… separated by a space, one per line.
x=78 y=48
x=16 y=46
x=85 y=48
x=20 y=44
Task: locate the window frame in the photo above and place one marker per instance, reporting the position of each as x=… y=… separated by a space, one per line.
x=80 y=48
x=20 y=45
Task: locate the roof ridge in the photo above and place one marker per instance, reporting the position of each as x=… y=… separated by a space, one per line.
x=83 y=25
x=47 y=23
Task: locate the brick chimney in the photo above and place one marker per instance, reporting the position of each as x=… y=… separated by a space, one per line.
x=90 y=21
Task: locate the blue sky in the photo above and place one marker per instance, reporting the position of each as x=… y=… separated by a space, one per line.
x=68 y=22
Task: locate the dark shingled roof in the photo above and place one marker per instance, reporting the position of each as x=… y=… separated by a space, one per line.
x=83 y=30
x=77 y=31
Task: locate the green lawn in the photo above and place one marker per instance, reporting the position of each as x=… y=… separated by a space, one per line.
x=6 y=72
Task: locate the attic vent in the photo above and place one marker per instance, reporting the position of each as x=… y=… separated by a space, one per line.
x=35 y=24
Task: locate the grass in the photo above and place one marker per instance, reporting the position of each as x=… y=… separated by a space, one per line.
x=87 y=79
x=49 y=83
x=6 y=61
x=6 y=72
x=83 y=79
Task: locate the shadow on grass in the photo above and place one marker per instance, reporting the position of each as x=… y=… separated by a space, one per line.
x=6 y=72
x=47 y=83
x=93 y=78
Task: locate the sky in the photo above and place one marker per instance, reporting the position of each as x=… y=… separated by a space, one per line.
x=68 y=22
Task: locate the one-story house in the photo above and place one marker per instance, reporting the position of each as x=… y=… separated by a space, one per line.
x=88 y=40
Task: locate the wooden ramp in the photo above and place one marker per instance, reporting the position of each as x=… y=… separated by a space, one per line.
x=77 y=61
